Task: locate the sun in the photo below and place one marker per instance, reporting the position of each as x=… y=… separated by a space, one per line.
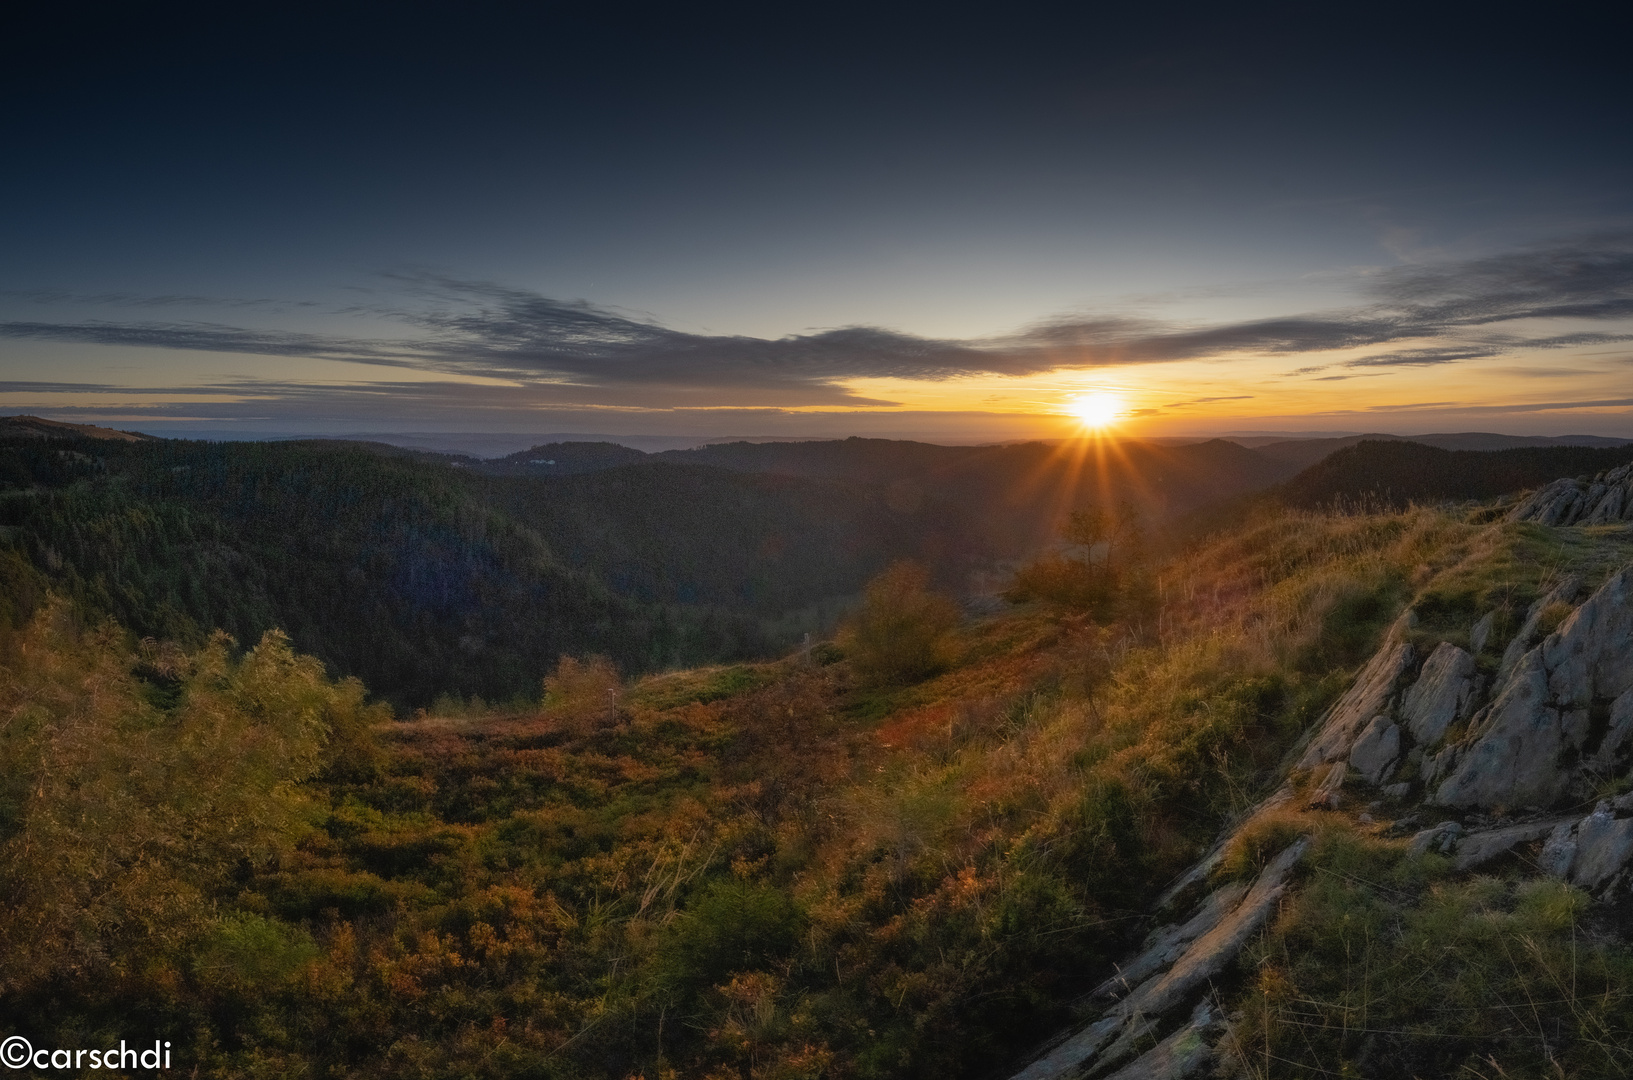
x=1097 y=409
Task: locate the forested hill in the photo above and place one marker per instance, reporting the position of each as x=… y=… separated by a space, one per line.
x=387 y=568
x=1397 y=473
x=425 y=574
x=1025 y=489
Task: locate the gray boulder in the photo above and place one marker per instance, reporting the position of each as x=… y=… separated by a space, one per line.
x=1557 y=503
x=1559 y=853
x=1481 y=633
x=1443 y=694
x=1565 y=591
x=1514 y=756
x=1479 y=848
x=1603 y=847
x=1618 y=735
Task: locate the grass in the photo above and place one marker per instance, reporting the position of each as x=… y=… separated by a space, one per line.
x=788 y=870
x=1384 y=965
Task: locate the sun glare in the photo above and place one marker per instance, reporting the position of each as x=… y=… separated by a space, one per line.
x=1097 y=409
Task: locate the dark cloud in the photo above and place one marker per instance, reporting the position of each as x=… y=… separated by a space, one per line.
x=1449 y=354
x=462 y=328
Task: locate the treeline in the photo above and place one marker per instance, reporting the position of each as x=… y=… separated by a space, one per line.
x=427 y=576
x=397 y=570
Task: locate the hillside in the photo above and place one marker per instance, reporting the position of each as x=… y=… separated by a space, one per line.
x=806 y=868
x=425 y=574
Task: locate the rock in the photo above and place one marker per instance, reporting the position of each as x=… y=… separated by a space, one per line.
x=1481 y=633
x=1618 y=735
x=1610 y=509
x=1181 y=1054
x=1166 y=945
x=1198 y=873
x=1071 y=1055
x=1603 y=847
x=1210 y=953
x=1377 y=750
x=1552 y=504
x=1514 y=755
x=1591 y=654
x=1440 y=838
x=1442 y=695
x=1565 y=591
x=1608 y=498
x=1368 y=697
x=1397 y=791
x=1560 y=851
x=1479 y=848
x=1325 y=796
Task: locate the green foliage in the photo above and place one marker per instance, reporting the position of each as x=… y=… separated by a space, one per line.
x=582 y=693
x=123 y=818
x=766 y=870
x=900 y=635
x=1381 y=966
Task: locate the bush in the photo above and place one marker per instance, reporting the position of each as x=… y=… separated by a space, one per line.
x=901 y=633
x=582 y=693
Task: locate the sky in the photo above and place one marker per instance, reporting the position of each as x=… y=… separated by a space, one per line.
x=909 y=221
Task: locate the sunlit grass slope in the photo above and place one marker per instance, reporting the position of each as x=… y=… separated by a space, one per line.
x=791 y=869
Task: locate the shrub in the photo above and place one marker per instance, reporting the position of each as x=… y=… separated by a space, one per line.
x=582 y=693
x=901 y=633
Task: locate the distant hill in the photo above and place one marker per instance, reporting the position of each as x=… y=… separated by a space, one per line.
x=1397 y=472
x=1020 y=491
x=562 y=459
x=39 y=428
x=1304 y=452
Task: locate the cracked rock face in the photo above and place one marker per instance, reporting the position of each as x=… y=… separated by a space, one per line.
x=1377 y=750
x=1370 y=696
x=1527 y=750
x=1442 y=695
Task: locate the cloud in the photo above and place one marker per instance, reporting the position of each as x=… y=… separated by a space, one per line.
x=1449 y=354
x=588 y=353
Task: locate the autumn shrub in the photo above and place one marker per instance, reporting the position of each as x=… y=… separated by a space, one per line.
x=582 y=694
x=124 y=811
x=901 y=634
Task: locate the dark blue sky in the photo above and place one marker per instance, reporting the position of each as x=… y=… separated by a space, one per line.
x=304 y=218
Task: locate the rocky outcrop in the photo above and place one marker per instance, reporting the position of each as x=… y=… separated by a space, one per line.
x=1184 y=1053
x=1556 y=721
x=1478 y=848
x=1371 y=695
x=1118 y=1034
x=1592 y=853
x=1442 y=695
x=1377 y=750
x=1604 y=500
x=1540 y=738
